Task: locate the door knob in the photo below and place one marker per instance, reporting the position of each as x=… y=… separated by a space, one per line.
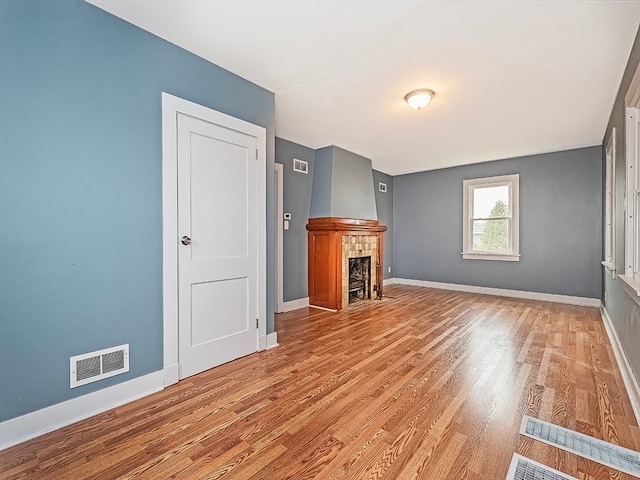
x=185 y=240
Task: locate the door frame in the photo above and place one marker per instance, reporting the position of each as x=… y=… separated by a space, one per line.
x=171 y=107
x=279 y=210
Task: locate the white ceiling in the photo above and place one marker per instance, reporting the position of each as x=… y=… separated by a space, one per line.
x=511 y=78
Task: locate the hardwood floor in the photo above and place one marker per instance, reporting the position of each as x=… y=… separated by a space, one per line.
x=424 y=384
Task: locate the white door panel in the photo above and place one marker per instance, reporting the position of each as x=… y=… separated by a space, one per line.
x=219 y=197
x=225 y=306
x=218 y=269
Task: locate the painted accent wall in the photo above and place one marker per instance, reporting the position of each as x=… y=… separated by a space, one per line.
x=560 y=225
x=81 y=190
x=297 y=202
x=621 y=308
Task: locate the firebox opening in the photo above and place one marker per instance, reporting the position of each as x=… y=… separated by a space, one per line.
x=359 y=279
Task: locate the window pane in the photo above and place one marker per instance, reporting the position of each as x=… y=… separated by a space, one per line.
x=491 y=236
x=491 y=202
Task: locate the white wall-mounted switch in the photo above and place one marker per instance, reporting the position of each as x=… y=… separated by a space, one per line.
x=286 y=224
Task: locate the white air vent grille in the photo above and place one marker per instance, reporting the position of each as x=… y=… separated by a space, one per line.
x=606 y=453
x=300 y=166
x=94 y=366
x=88 y=368
x=382 y=187
x=523 y=468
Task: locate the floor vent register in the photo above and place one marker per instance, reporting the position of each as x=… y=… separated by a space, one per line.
x=523 y=468
x=608 y=454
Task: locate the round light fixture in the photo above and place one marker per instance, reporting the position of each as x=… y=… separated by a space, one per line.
x=418 y=99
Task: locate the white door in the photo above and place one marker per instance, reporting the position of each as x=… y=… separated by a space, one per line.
x=217 y=244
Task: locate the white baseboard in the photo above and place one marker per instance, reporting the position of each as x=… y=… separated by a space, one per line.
x=324 y=308
x=501 y=292
x=628 y=377
x=389 y=281
x=34 y=424
x=295 y=304
x=272 y=340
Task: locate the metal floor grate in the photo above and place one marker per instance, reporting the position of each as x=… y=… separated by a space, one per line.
x=608 y=454
x=523 y=468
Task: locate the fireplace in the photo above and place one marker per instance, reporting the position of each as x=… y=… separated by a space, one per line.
x=359 y=283
x=333 y=243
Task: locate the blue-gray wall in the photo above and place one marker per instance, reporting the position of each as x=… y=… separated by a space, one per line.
x=384 y=205
x=342 y=185
x=560 y=225
x=621 y=308
x=81 y=189
x=296 y=201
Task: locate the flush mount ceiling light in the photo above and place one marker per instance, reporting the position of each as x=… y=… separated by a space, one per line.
x=418 y=99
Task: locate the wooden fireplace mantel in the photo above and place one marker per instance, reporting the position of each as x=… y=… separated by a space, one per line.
x=325 y=257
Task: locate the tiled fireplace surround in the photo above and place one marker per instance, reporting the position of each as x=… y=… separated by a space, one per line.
x=354 y=246
x=332 y=241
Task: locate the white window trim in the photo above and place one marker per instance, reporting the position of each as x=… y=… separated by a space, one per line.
x=609 y=261
x=467 y=236
x=631 y=240
x=632 y=116
x=632 y=287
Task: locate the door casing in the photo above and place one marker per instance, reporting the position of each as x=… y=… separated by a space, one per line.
x=279 y=222
x=171 y=106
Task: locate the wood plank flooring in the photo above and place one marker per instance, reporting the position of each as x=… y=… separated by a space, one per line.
x=425 y=384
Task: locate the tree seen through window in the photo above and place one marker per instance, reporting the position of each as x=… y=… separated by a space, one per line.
x=495 y=235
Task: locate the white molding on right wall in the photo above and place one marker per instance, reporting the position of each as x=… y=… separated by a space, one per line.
x=629 y=379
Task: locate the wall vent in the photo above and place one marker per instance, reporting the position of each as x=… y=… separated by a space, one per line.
x=94 y=366
x=300 y=166
x=382 y=187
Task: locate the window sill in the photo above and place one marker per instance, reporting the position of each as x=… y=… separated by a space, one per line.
x=486 y=256
x=610 y=268
x=631 y=286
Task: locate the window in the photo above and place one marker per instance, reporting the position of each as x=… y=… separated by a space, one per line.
x=631 y=277
x=610 y=206
x=491 y=225
x=632 y=264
